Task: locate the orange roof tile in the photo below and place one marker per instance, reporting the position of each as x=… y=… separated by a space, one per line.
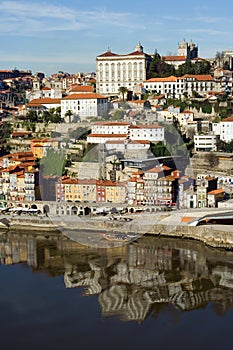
x=108 y=54
x=42 y=101
x=155 y=170
x=199 y=77
x=82 y=88
x=172 y=78
x=174 y=58
x=86 y=96
x=218 y=191
x=229 y=119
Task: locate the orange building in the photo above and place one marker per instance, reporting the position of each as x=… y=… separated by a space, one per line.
x=39 y=147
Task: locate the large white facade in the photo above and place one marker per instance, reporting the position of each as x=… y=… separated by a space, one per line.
x=152 y=133
x=110 y=128
x=102 y=132
x=114 y=71
x=84 y=105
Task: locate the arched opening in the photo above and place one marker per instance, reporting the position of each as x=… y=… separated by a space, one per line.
x=74 y=210
x=87 y=210
x=46 y=209
x=34 y=206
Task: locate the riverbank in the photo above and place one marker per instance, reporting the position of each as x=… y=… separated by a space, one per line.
x=162 y=225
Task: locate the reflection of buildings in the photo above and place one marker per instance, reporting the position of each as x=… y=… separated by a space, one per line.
x=132 y=281
x=153 y=273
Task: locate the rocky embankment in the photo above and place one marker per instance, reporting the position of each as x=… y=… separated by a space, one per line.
x=218 y=236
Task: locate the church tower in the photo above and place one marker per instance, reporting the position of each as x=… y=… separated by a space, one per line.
x=183 y=48
x=139 y=47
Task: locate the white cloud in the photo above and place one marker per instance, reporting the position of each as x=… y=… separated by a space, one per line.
x=23 y=18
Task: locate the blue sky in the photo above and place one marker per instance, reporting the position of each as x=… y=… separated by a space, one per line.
x=67 y=35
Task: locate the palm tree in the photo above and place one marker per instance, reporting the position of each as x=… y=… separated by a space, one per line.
x=123 y=90
x=68 y=113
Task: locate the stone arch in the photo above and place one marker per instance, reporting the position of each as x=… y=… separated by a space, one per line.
x=74 y=210
x=87 y=210
x=34 y=206
x=46 y=209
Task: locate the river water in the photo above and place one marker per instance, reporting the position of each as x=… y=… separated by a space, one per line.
x=153 y=293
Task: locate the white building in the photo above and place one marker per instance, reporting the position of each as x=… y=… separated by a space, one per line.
x=114 y=71
x=128 y=147
x=40 y=104
x=206 y=143
x=53 y=89
x=103 y=138
x=110 y=128
x=83 y=105
x=102 y=132
x=152 y=133
x=178 y=87
x=226 y=129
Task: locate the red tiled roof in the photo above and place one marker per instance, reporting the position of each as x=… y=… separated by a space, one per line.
x=210 y=178
x=86 y=96
x=155 y=170
x=83 y=88
x=43 y=101
x=136 y=53
x=172 y=78
x=21 y=133
x=108 y=54
x=174 y=58
x=218 y=191
x=199 y=77
x=229 y=119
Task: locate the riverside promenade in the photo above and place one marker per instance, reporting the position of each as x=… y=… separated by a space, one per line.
x=168 y=224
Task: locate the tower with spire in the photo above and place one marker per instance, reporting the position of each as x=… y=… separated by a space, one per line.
x=139 y=47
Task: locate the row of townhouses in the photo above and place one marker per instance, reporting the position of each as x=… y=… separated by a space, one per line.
x=158 y=186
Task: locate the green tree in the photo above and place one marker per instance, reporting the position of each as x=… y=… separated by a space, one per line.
x=123 y=90
x=159 y=68
x=68 y=113
x=32 y=116
x=45 y=116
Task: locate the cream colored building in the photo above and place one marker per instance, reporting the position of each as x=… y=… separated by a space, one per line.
x=114 y=70
x=178 y=87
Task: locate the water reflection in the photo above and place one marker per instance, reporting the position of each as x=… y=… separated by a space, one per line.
x=135 y=280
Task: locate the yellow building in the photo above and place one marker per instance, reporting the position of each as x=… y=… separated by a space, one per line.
x=94 y=190
x=79 y=190
x=39 y=147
